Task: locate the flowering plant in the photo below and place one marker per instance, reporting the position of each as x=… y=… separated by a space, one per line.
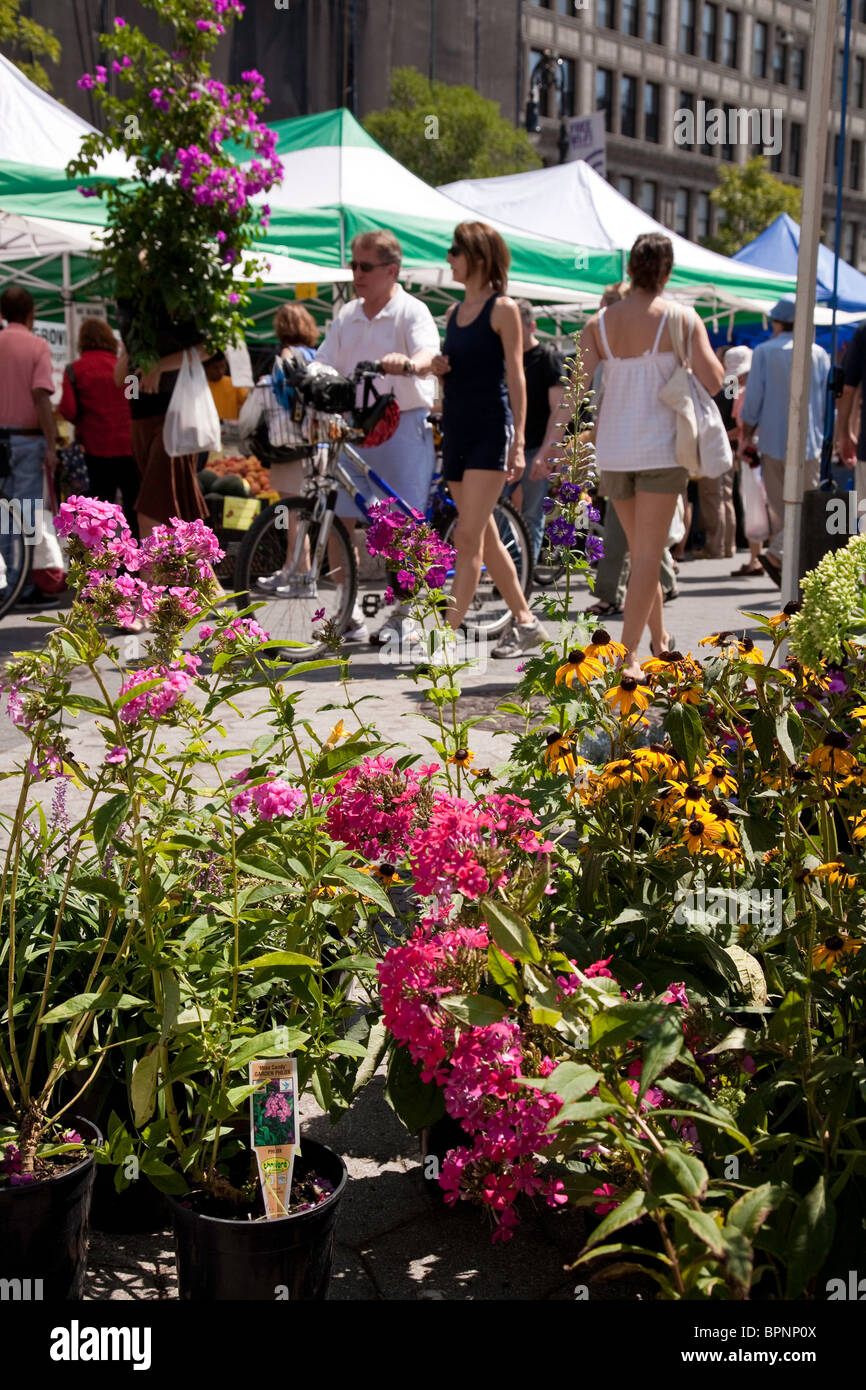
x=175 y=236
x=169 y=921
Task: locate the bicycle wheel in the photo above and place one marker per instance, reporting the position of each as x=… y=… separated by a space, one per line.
x=488 y=613
x=268 y=550
x=16 y=557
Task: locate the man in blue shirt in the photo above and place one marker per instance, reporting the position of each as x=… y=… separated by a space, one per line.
x=765 y=413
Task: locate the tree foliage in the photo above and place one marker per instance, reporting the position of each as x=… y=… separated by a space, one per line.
x=749 y=198
x=20 y=35
x=444 y=132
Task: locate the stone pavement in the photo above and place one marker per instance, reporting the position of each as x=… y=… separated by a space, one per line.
x=394 y=1240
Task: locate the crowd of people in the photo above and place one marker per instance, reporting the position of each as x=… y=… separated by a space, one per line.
x=504 y=419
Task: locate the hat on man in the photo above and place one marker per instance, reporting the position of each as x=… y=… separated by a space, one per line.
x=784 y=310
x=738 y=360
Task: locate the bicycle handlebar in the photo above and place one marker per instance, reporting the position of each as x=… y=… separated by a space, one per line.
x=367 y=369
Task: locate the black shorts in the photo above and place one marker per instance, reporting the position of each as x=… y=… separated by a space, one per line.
x=481 y=448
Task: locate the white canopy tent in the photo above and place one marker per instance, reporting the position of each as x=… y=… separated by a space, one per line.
x=35 y=129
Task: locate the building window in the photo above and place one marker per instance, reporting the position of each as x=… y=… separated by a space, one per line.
x=854 y=164
x=795 y=148
x=731 y=39
x=683 y=208
x=649 y=197
x=629 y=18
x=628 y=106
x=709 y=32
x=835 y=143
x=837 y=76
x=702 y=215
x=687 y=26
x=858 y=84
x=625 y=186
x=780 y=64
x=651 y=96
x=851 y=243
x=759 y=49
x=776 y=159
x=798 y=68
x=540 y=92
x=565 y=7
x=604 y=95
x=654 y=21
x=604 y=15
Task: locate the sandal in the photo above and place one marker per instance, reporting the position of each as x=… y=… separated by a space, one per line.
x=602 y=610
x=746 y=569
x=771 y=568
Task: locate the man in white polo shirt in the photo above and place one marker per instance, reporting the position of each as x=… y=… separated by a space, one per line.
x=386 y=324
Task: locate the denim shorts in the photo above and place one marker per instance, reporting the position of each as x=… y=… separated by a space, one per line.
x=617 y=485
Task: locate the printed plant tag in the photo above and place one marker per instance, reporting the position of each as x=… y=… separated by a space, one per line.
x=274 y=1128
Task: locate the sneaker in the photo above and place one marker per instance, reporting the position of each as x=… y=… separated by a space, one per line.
x=269 y=583
x=356 y=629
x=519 y=638
x=396 y=630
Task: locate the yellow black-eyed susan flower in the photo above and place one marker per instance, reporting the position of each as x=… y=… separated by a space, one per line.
x=620 y=773
x=578 y=666
x=787 y=612
x=701 y=833
x=832 y=755
x=717 y=777
x=559 y=754
x=654 y=761
x=689 y=695
x=855 y=778
x=628 y=695
x=749 y=652
x=833 y=950
x=688 y=799
x=462 y=757
x=481 y=774
x=603 y=648
x=386 y=873
x=718 y=639
x=858 y=827
x=663 y=805
x=584 y=782
x=833 y=872
x=859 y=712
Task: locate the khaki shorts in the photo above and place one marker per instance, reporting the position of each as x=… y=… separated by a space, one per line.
x=616 y=486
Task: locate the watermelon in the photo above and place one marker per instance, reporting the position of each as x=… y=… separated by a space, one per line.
x=231 y=486
x=206 y=479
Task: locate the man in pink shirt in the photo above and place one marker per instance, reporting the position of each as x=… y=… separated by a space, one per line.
x=27 y=434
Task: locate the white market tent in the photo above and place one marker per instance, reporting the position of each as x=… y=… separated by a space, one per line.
x=574 y=203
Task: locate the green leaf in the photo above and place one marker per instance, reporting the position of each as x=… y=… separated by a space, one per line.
x=763 y=731
x=750 y=1211
x=783 y=738
x=509 y=931
x=581 y=1111
x=278 y=1042
x=344 y=1047
x=171 y=1002
x=683 y=724
x=477 y=1010
x=344 y=756
x=750 y=973
x=663 y=1046
x=110 y=815
x=417 y=1103
x=377 y=1046
x=86 y=1003
x=690 y=1173
x=143 y=1088
x=571 y=1080
x=789 y=1020
x=810 y=1238
x=635 y=1205
x=280 y=958
x=364 y=884
x=704 y=1227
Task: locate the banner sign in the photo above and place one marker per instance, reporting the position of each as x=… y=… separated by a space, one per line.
x=586 y=141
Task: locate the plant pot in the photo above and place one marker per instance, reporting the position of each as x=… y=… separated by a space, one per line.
x=139 y=1209
x=287 y=1258
x=45 y=1226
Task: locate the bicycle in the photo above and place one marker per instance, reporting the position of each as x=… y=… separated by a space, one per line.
x=16 y=551
x=296 y=536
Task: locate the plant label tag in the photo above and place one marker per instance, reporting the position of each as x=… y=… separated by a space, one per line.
x=239 y=513
x=274 y=1128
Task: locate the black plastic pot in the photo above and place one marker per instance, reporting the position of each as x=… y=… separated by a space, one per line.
x=44 y=1228
x=289 y=1257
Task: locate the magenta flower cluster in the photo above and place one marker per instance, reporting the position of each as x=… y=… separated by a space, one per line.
x=372 y=808
x=272 y=799
x=448 y=854
x=173 y=681
x=480 y=1070
x=419 y=556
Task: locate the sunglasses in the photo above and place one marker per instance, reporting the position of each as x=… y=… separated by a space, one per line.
x=367 y=266
x=454 y=250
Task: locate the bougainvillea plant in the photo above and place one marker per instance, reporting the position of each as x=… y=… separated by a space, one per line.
x=175 y=234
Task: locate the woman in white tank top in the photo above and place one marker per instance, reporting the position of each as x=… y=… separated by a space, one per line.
x=636 y=434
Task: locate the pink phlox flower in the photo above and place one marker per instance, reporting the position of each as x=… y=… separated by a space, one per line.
x=599 y=967
x=118 y=754
x=277 y=798
x=608 y=1191
x=676 y=994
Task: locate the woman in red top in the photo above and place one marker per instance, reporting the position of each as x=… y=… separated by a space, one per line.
x=100 y=413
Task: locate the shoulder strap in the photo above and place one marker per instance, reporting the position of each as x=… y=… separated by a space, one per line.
x=675 y=323
x=661 y=328
x=70 y=372
x=603 y=332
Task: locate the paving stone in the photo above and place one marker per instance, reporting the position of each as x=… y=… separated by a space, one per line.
x=349 y=1279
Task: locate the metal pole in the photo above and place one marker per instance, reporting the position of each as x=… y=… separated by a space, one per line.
x=817 y=119
x=66 y=290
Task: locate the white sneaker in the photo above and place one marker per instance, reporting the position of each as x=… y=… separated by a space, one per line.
x=519 y=638
x=396 y=630
x=270 y=583
x=356 y=629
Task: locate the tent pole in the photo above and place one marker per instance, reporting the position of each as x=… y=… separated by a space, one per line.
x=66 y=285
x=817 y=114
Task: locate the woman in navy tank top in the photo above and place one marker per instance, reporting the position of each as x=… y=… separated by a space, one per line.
x=483 y=414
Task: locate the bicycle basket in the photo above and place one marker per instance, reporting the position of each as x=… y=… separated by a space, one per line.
x=378 y=415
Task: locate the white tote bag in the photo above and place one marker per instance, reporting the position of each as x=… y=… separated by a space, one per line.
x=191 y=423
x=756 y=521
x=702 y=443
